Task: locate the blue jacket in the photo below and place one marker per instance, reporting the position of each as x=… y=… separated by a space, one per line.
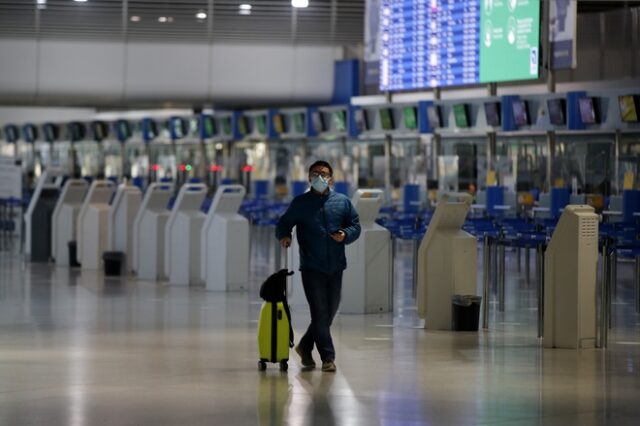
x=315 y=217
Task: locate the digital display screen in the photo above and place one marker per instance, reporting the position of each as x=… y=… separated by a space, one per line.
x=556 y=111
x=226 y=125
x=51 y=132
x=243 y=127
x=410 y=115
x=520 y=115
x=433 y=115
x=339 y=121
x=298 y=122
x=492 y=113
x=430 y=43
x=587 y=111
x=179 y=127
x=628 y=108
x=209 y=125
x=460 y=115
x=362 y=120
x=386 y=119
x=261 y=124
x=318 y=121
x=278 y=123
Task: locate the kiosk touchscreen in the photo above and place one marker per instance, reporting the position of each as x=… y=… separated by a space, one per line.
x=122 y=214
x=92 y=224
x=148 y=232
x=39 y=215
x=368 y=274
x=570 y=271
x=183 y=234
x=447 y=262
x=225 y=246
x=65 y=219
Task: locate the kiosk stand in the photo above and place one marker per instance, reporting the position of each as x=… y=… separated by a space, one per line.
x=295 y=289
x=570 y=271
x=183 y=234
x=65 y=219
x=447 y=260
x=39 y=215
x=368 y=273
x=225 y=246
x=92 y=224
x=148 y=232
x=122 y=214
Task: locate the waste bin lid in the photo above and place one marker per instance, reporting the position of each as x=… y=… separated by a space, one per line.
x=465 y=300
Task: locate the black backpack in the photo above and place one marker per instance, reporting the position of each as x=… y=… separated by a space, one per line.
x=274 y=290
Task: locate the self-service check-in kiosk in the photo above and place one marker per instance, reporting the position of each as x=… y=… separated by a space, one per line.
x=65 y=219
x=183 y=234
x=149 y=232
x=39 y=214
x=368 y=273
x=225 y=243
x=570 y=270
x=447 y=262
x=92 y=224
x=296 y=295
x=122 y=214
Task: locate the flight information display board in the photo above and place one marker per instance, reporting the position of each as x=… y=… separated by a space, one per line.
x=438 y=43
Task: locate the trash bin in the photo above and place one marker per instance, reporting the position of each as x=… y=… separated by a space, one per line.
x=465 y=312
x=73 y=254
x=113 y=262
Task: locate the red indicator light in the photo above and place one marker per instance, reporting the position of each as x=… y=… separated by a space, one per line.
x=155 y=167
x=215 y=168
x=247 y=169
x=182 y=168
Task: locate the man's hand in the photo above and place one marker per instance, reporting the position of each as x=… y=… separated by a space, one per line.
x=338 y=236
x=285 y=242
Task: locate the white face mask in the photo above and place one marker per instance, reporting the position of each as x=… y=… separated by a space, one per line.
x=319 y=184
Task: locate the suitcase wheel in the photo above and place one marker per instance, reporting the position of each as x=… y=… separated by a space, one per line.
x=284 y=366
x=262 y=366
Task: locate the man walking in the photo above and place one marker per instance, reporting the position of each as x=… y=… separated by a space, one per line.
x=325 y=222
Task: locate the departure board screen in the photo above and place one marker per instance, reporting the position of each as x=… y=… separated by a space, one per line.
x=439 y=43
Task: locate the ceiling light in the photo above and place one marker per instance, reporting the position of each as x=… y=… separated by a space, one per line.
x=201 y=15
x=244 y=12
x=245 y=7
x=80 y=1
x=135 y=19
x=300 y=3
x=162 y=19
x=41 y=1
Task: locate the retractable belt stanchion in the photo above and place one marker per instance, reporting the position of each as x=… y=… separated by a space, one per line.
x=637 y=284
x=540 y=249
x=486 y=250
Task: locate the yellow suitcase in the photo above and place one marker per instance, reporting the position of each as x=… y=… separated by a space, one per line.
x=273 y=335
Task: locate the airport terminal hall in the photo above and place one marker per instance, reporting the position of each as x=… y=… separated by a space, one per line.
x=319 y=212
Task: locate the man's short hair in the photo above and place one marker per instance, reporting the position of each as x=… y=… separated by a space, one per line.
x=321 y=163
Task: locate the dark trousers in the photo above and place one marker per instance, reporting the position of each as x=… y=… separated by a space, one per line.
x=323 y=294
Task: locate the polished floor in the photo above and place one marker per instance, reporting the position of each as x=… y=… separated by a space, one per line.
x=78 y=349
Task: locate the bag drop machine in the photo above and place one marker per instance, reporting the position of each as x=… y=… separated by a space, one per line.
x=65 y=219
x=367 y=280
x=122 y=214
x=447 y=262
x=183 y=234
x=225 y=242
x=92 y=224
x=148 y=232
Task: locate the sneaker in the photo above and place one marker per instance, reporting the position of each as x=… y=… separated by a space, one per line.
x=305 y=358
x=329 y=366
